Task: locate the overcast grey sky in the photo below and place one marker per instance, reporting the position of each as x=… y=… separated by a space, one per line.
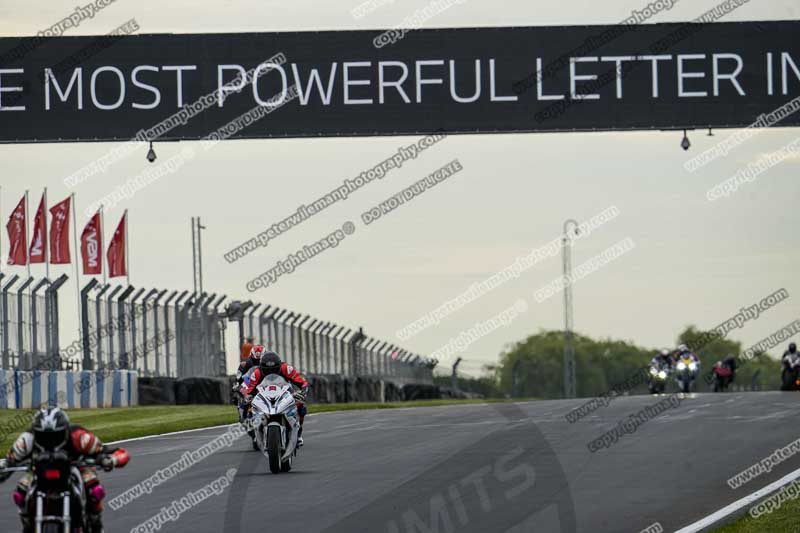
x=694 y=262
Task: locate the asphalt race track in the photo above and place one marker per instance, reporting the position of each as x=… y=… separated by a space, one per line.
x=482 y=468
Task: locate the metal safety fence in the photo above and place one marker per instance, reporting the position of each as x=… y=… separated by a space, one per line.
x=322 y=347
x=29 y=333
x=156 y=332
x=162 y=333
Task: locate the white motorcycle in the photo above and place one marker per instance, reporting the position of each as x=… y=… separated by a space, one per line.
x=275 y=422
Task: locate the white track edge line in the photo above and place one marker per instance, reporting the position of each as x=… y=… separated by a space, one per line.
x=738 y=504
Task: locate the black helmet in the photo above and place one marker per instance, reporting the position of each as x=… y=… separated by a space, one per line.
x=270 y=363
x=792 y=347
x=50 y=429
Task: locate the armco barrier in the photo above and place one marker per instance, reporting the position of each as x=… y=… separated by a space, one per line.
x=70 y=389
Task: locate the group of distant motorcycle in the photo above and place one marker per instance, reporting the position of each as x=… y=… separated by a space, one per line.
x=684 y=366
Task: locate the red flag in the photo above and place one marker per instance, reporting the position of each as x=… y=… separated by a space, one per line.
x=116 y=251
x=39 y=240
x=59 y=233
x=18 y=254
x=92 y=246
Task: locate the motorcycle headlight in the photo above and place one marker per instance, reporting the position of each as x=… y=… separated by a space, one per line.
x=662 y=374
x=653 y=371
x=681 y=366
x=692 y=366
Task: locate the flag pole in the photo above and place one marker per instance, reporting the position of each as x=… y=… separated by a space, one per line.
x=74 y=208
x=127 y=255
x=28 y=265
x=105 y=279
x=27 y=240
x=44 y=241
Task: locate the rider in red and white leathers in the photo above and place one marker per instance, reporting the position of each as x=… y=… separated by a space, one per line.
x=51 y=431
x=271 y=364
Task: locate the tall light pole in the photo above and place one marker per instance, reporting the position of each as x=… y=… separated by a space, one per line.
x=569 y=350
x=197 y=255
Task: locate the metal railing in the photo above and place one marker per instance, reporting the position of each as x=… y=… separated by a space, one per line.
x=320 y=347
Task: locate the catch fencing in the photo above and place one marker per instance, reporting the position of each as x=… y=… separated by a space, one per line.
x=29 y=333
x=322 y=347
x=156 y=332
x=161 y=333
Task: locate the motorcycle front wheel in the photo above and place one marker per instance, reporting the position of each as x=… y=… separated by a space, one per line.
x=274 y=448
x=51 y=528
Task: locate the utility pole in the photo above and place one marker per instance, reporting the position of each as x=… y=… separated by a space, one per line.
x=454 y=375
x=569 y=350
x=197 y=255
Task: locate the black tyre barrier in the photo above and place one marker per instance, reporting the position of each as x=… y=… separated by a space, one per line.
x=324 y=389
x=156 y=391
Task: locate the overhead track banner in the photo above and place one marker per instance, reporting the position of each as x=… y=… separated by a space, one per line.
x=353 y=83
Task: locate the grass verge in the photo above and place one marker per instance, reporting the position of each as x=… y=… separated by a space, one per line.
x=130 y=422
x=781 y=520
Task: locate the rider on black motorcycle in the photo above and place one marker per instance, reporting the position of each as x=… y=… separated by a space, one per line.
x=791 y=355
x=790 y=372
x=51 y=432
x=662 y=360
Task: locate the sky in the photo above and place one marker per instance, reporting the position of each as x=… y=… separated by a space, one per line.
x=693 y=261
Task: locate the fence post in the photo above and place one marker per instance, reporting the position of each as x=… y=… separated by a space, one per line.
x=34 y=362
x=296 y=341
x=156 y=331
x=133 y=315
x=268 y=339
x=20 y=325
x=85 y=344
x=109 y=328
x=287 y=343
x=167 y=332
x=5 y=324
x=308 y=343
x=220 y=325
x=261 y=337
x=144 y=313
x=299 y=333
x=207 y=352
x=123 y=317
x=315 y=346
x=250 y=316
x=115 y=324
x=273 y=327
x=179 y=333
x=357 y=337
x=51 y=331
x=325 y=356
x=385 y=359
x=334 y=340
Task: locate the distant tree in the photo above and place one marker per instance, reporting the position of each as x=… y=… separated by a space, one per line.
x=534 y=367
